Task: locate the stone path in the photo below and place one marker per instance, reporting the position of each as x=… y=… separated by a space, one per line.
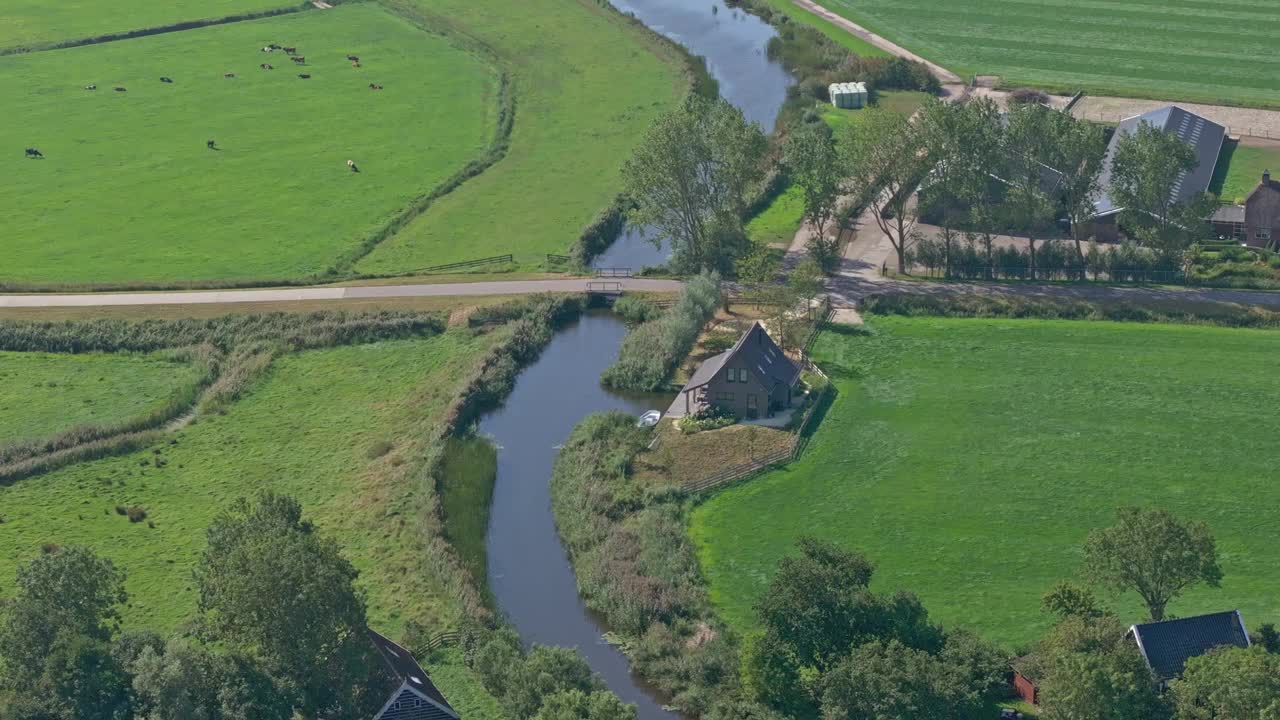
x=509 y=287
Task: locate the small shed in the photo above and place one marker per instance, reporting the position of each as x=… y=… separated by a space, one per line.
x=848 y=96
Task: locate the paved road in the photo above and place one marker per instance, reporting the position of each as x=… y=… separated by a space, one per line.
x=510 y=287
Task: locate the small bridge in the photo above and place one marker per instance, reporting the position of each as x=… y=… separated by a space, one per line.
x=605 y=288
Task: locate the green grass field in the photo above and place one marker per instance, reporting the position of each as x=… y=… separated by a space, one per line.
x=45 y=393
x=587 y=86
x=24 y=23
x=340 y=429
x=778 y=222
x=1240 y=169
x=850 y=42
x=129 y=192
x=970 y=458
x=1207 y=50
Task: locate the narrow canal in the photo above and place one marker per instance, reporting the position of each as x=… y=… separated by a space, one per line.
x=735 y=45
x=528 y=570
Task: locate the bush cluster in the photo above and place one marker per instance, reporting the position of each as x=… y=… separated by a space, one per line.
x=1054 y=260
x=710 y=418
x=635 y=566
x=636 y=310
x=651 y=351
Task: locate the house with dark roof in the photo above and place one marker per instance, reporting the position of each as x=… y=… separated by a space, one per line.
x=1168 y=645
x=410 y=693
x=752 y=378
x=1204 y=136
x=1255 y=223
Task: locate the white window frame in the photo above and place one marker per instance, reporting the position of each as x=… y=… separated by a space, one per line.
x=1262 y=234
x=732 y=374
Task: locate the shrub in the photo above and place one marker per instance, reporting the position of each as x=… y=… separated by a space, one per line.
x=122 y=510
x=710 y=418
x=378 y=449
x=136 y=514
x=1028 y=96
x=718 y=342
x=636 y=310
x=651 y=351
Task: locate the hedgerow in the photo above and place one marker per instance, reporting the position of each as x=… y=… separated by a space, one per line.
x=651 y=351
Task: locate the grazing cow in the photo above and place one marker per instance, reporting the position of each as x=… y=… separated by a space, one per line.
x=90 y=87
x=228 y=75
x=374 y=86
x=353 y=58
x=164 y=79
x=34 y=153
x=355 y=64
x=304 y=76
x=352 y=165
x=300 y=59
x=210 y=144
x=268 y=49
x=291 y=50
x=274 y=46
x=266 y=66
x=120 y=88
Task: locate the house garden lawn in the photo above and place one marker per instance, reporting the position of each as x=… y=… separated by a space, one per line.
x=587 y=85
x=128 y=191
x=970 y=458
x=28 y=23
x=341 y=429
x=1240 y=169
x=45 y=393
x=1215 y=51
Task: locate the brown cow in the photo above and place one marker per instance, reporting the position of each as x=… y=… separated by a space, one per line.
x=291 y=50
x=355 y=64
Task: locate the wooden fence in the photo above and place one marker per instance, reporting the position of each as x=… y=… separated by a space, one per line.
x=624 y=272
x=440 y=640
x=799 y=441
x=467 y=264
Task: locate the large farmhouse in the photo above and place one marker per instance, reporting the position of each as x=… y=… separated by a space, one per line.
x=1204 y=136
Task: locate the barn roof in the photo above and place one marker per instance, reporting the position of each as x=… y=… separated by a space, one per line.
x=1169 y=644
x=1204 y=136
x=400 y=669
x=756 y=350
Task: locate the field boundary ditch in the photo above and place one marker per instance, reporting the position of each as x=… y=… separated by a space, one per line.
x=157 y=30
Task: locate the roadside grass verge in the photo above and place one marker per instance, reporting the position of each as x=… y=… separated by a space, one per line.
x=969 y=458
x=849 y=41
x=45 y=393
x=128 y=195
x=586 y=84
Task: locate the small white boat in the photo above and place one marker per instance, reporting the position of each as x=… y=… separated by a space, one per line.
x=649 y=419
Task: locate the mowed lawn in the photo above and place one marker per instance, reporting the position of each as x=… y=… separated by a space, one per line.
x=340 y=429
x=587 y=85
x=1207 y=50
x=45 y=393
x=1240 y=169
x=128 y=191
x=969 y=459
x=24 y=23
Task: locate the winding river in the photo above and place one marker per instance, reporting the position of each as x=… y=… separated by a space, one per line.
x=528 y=570
x=734 y=44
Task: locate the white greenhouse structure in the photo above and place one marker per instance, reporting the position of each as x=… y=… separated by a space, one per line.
x=848 y=96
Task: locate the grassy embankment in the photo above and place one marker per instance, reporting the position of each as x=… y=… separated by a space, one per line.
x=586 y=84
x=46 y=393
x=969 y=458
x=1209 y=50
x=128 y=192
x=33 y=23
x=1240 y=169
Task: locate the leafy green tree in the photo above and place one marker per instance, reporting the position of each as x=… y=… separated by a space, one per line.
x=71 y=593
x=271 y=586
x=1027 y=142
x=690 y=179
x=1268 y=638
x=82 y=681
x=1069 y=600
x=1145 y=173
x=983 y=667
x=1077 y=149
x=545 y=672
x=819 y=606
x=890 y=681
x=1153 y=553
x=807 y=281
x=1229 y=684
x=1087 y=670
x=184 y=682
x=814 y=166
x=961 y=139
x=759 y=266
x=884 y=153
x=579 y=705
